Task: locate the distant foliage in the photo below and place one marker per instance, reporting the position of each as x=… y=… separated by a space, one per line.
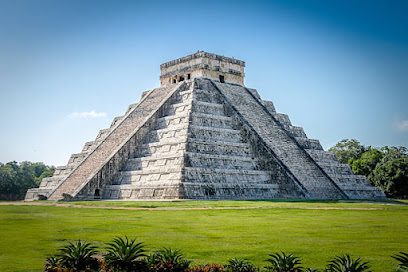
x=282 y=262
x=16 y=178
x=386 y=167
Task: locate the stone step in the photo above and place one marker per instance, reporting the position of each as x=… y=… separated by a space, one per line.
x=218 y=147
x=269 y=106
x=196 y=190
x=296 y=132
x=206 y=96
x=210 y=120
x=195 y=174
x=156 y=160
x=116 y=120
x=186 y=95
x=51 y=182
x=209 y=108
x=182 y=107
x=321 y=155
x=176 y=131
x=153 y=174
x=212 y=161
x=335 y=167
x=215 y=134
x=283 y=119
x=179 y=118
x=169 y=145
x=77 y=158
x=88 y=146
x=309 y=143
x=159 y=191
x=102 y=133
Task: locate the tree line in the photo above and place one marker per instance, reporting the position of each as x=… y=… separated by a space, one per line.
x=17 y=178
x=385 y=167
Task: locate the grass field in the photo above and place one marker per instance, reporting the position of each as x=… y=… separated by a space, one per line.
x=209 y=231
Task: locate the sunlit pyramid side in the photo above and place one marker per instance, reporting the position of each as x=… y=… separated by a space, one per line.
x=203 y=135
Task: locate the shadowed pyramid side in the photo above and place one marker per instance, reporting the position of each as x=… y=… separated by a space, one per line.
x=102 y=163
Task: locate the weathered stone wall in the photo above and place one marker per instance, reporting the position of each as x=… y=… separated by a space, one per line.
x=202 y=64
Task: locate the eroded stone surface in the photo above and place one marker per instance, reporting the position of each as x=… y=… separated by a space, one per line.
x=203 y=139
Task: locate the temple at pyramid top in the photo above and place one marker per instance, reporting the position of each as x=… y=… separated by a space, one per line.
x=203 y=135
x=202 y=64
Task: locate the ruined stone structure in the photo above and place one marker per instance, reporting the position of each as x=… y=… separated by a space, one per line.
x=203 y=135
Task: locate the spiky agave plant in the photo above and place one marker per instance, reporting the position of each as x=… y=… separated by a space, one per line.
x=124 y=254
x=78 y=256
x=402 y=257
x=345 y=263
x=167 y=259
x=52 y=264
x=240 y=265
x=282 y=262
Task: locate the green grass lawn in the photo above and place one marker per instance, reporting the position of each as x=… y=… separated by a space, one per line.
x=210 y=231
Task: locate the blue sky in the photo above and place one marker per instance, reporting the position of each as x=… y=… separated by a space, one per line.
x=67 y=68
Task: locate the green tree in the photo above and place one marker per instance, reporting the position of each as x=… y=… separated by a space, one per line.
x=366 y=163
x=391 y=175
x=17 y=178
x=347 y=150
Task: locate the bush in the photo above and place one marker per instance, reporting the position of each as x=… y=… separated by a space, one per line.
x=207 y=268
x=167 y=260
x=280 y=262
x=125 y=255
x=78 y=256
x=402 y=257
x=240 y=265
x=345 y=263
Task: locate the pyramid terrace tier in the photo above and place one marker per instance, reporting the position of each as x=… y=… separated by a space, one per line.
x=203 y=139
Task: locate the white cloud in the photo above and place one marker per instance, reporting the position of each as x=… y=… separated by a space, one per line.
x=402 y=125
x=87 y=114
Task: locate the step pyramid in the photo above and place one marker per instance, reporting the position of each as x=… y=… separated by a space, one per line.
x=203 y=135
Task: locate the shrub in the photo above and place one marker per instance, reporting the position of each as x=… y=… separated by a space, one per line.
x=52 y=264
x=207 y=268
x=345 y=263
x=78 y=256
x=125 y=255
x=280 y=262
x=402 y=257
x=240 y=265
x=168 y=260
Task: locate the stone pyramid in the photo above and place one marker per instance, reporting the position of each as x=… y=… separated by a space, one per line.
x=203 y=135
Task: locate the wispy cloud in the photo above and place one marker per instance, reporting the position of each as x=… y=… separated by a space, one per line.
x=86 y=114
x=402 y=125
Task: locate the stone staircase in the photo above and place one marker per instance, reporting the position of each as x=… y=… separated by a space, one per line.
x=202 y=139
x=194 y=151
x=287 y=150
x=68 y=181
x=353 y=186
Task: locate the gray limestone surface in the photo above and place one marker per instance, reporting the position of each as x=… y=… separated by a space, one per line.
x=203 y=139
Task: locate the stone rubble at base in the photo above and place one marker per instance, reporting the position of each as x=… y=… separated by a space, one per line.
x=203 y=135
